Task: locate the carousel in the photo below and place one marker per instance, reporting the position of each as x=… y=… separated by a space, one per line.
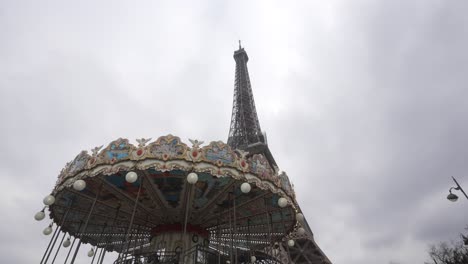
x=165 y=201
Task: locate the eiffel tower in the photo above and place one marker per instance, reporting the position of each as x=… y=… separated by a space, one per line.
x=245 y=134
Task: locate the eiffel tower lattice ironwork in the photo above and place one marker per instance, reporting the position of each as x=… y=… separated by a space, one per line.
x=245 y=134
x=245 y=128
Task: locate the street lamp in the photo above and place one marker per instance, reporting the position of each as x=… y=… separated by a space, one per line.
x=453 y=197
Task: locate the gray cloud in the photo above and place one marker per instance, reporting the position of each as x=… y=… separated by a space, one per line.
x=364 y=105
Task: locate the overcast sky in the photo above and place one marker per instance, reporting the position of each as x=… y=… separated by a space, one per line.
x=365 y=105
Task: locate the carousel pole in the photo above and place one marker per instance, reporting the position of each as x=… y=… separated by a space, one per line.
x=219 y=241
x=58 y=248
x=136 y=240
x=269 y=226
x=53 y=244
x=86 y=223
x=128 y=243
x=230 y=229
x=55 y=240
x=192 y=179
x=187 y=208
x=94 y=249
x=73 y=243
x=112 y=225
x=247 y=237
x=162 y=244
x=99 y=240
x=133 y=215
x=69 y=251
x=100 y=254
x=234 y=218
x=285 y=235
x=48 y=246
x=102 y=258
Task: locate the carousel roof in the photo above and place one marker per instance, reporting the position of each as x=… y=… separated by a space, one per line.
x=159 y=197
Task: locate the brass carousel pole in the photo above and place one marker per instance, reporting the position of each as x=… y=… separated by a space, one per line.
x=50 y=243
x=64 y=234
x=269 y=227
x=219 y=241
x=86 y=223
x=99 y=240
x=247 y=238
x=187 y=208
x=103 y=251
x=100 y=254
x=73 y=243
x=230 y=229
x=285 y=235
x=234 y=219
x=102 y=258
x=58 y=248
x=133 y=216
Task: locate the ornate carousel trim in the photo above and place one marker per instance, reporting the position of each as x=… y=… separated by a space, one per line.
x=168 y=153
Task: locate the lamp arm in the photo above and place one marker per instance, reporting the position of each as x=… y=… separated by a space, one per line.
x=459 y=187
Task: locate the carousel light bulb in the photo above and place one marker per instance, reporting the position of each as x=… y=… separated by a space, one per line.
x=39 y=215
x=299 y=217
x=291 y=243
x=49 y=200
x=131 y=177
x=245 y=187
x=282 y=202
x=47 y=231
x=91 y=252
x=192 y=178
x=66 y=243
x=253 y=259
x=301 y=231
x=79 y=185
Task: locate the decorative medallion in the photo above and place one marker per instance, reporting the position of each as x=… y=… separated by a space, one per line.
x=260 y=166
x=219 y=153
x=195 y=152
x=79 y=163
x=168 y=147
x=116 y=151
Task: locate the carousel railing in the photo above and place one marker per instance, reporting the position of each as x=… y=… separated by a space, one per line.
x=195 y=255
x=158 y=257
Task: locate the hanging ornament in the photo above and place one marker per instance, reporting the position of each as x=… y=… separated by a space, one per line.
x=49 y=200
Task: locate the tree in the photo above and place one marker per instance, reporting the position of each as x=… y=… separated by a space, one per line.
x=445 y=253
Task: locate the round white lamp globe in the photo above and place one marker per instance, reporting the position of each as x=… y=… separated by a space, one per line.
x=131 y=177
x=253 y=259
x=66 y=243
x=192 y=178
x=47 y=231
x=299 y=217
x=39 y=215
x=282 y=202
x=291 y=243
x=301 y=231
x=79 y=185
x=245 y=187
x=49 y=200
x=91 y=253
